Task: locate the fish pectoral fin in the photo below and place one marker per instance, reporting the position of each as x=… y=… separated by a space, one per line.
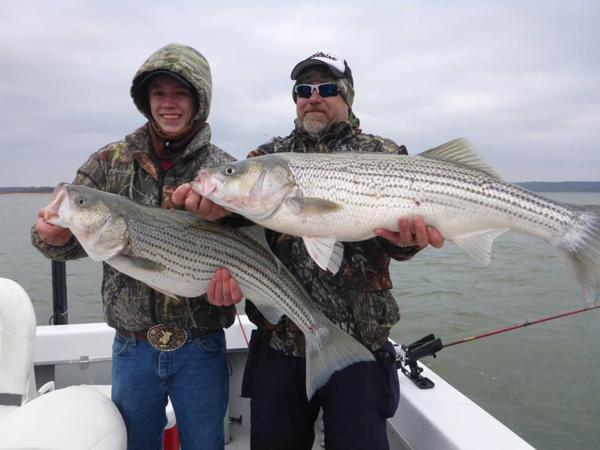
x=459 y=151
x=312 y=206
x=479 y=245
x=145 y=264
x=325 y=251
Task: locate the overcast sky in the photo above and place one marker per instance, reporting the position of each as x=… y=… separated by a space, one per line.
x=519 y=79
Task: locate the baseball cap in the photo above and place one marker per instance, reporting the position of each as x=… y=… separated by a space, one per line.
x=336 y=64
x=175 y=75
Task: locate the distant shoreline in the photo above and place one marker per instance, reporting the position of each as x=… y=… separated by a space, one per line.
x=535 y=186
x=561 y=186
x=26 y=190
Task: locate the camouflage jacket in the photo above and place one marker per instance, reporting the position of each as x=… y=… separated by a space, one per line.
x=129 y=168
x=358 y=297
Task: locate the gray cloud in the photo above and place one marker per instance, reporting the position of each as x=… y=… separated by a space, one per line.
x=519 y=79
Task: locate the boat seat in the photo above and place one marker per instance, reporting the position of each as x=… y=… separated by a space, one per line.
x=72 y=418
x=171 y=433
x=17 y=338
x=5 y=410
x=169 y=411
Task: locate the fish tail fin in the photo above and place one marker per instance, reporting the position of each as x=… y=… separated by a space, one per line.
x=335 y=351
x=580 y=248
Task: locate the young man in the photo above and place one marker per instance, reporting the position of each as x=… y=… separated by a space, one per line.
x=357 y=400
x=172 y=89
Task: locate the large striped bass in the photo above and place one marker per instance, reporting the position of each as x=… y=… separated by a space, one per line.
x=178 y=254
x=332 y=198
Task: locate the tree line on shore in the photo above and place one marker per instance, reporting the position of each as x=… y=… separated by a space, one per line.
x=25 y=189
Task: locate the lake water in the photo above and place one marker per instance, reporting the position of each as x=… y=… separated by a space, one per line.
x=541 y=381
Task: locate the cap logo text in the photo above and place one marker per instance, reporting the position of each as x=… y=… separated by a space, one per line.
x=323 y=55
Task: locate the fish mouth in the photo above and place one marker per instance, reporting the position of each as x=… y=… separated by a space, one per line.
x=205 y=184
x=200 y=188
x=52 y=211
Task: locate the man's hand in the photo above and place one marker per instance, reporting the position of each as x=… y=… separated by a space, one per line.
x=412 y=233
x=51 y=234
x=223 y=290
x=201 y=206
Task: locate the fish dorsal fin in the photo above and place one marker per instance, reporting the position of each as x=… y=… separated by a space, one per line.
x=479 y=245
x=272 y=314
x=325 y=251
x=312 y=206
x=257 y=233
x=459 y=151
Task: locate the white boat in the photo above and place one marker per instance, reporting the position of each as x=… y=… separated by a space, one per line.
x=64 y=357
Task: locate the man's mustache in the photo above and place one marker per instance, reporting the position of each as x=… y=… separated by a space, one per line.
x=314 y=110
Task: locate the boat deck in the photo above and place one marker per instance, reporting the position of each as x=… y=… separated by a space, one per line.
x=438 y=418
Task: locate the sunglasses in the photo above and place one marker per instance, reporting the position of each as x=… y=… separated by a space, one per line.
x=324 y=90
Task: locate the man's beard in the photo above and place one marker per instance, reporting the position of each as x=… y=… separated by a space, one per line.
x=315 y=124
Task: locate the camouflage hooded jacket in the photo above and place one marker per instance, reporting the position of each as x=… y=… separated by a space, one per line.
x=358 y=297
x=130 y=168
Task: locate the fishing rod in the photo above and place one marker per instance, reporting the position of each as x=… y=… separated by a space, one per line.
x=408 y=355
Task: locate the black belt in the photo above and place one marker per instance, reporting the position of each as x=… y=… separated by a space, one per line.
x=165 y=338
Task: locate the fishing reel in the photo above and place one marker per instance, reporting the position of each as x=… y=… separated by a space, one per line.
x=408 y=355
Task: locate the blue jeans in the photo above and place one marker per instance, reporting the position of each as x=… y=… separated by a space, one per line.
x=194 y=377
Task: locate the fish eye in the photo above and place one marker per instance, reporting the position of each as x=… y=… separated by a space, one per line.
x=81 y=201
x=229 y=170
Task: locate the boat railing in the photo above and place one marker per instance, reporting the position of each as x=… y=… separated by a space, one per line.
x=60 y=311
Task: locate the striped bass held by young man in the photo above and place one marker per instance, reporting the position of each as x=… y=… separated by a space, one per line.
x=177 y=254
x=344 y=197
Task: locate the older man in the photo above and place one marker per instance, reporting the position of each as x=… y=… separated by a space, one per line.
x=357 y=400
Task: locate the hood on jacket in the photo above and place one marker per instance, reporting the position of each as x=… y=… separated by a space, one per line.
x=184 y=62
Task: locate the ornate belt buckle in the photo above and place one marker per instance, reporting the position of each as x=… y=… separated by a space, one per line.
x=166 y=339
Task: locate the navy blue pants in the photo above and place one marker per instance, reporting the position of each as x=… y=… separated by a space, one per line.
x=356 y=401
